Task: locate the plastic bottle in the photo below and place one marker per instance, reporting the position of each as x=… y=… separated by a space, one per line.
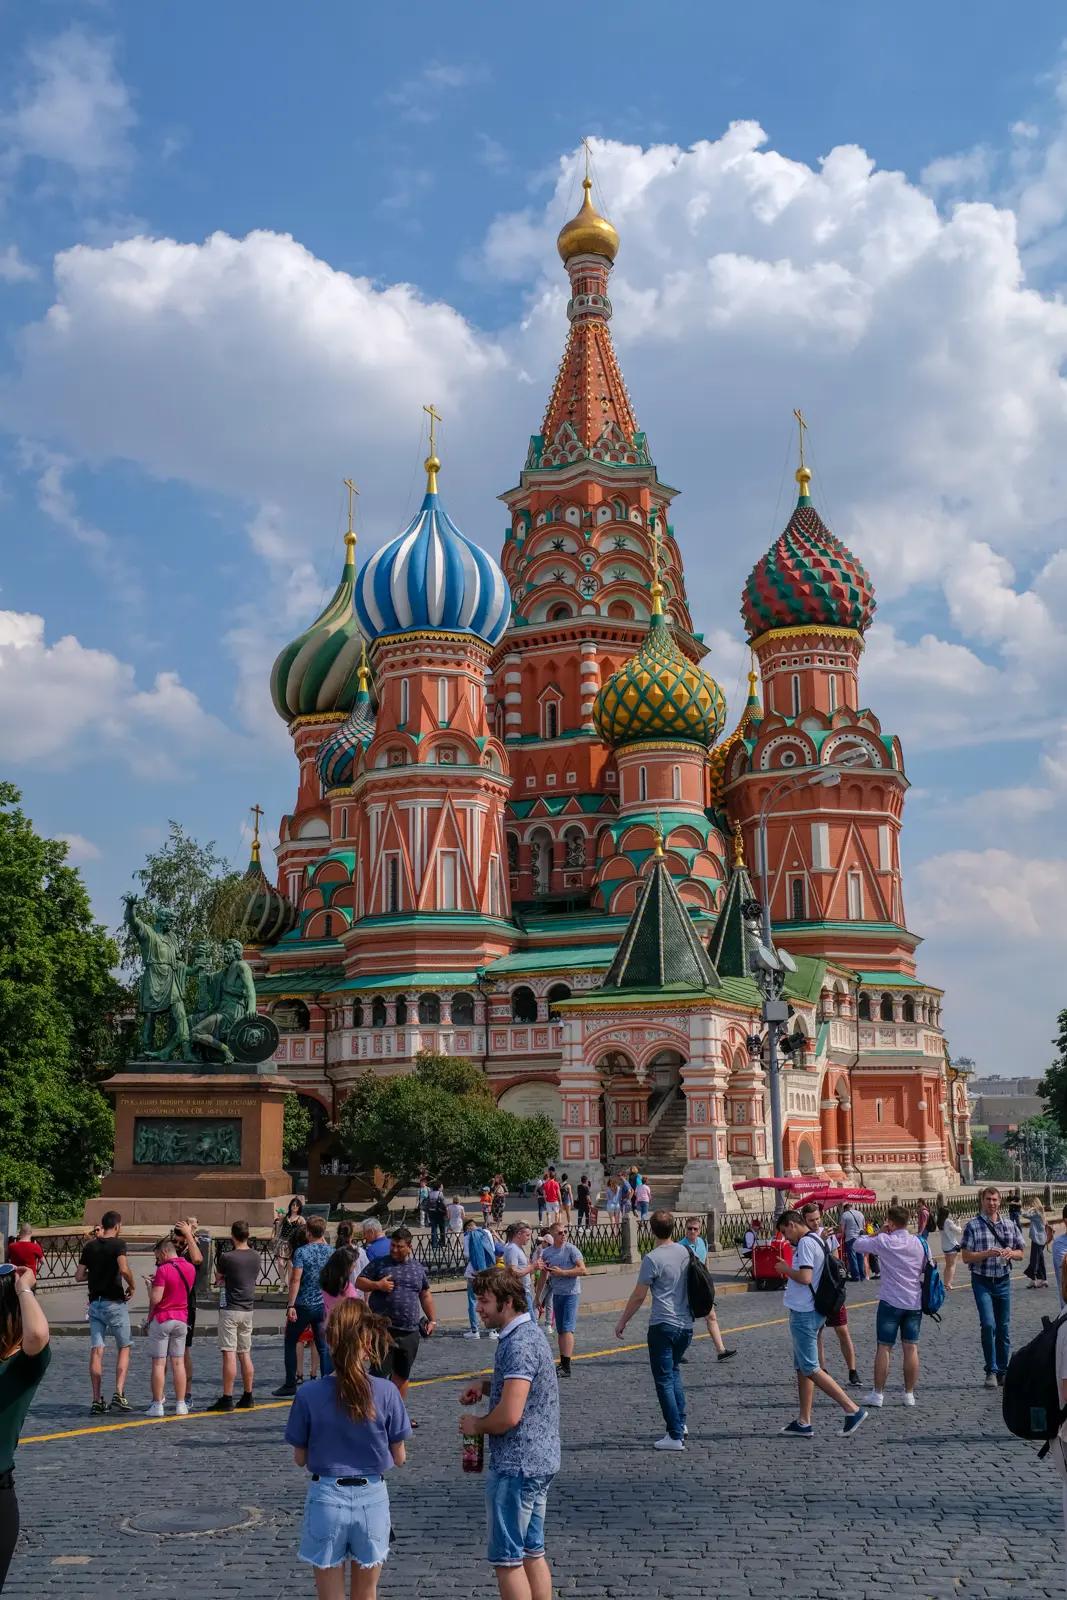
x=474 y=1453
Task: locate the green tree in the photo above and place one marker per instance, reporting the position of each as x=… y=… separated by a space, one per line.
x=1040 y=1147
x=59 y=1002
x=296 y=1128
x=1053 y=1086
x=199 y=885
x=443 y=1117
x=990 y=1160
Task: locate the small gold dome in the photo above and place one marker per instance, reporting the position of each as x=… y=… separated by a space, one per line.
x=588 y=233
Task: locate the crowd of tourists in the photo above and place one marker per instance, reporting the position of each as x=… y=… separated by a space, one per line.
x=365 y=1303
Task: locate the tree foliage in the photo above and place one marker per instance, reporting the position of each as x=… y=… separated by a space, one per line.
x=58 y=1004
x=198 y=884
x=1053 y=1086
x=990 y=1160
x=1040 y=1147
x=296 y=1128
x=441 y=1117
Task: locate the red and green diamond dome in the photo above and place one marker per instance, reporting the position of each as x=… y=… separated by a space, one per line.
x=808 y=578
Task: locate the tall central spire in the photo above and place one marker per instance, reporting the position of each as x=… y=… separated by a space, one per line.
x=589 y=413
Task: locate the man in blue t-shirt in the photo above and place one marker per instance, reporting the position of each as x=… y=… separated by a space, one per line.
x=564 y=1265
x=375 y=1242
x=306 y=1308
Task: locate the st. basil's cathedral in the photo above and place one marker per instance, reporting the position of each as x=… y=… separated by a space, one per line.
x=522 y=833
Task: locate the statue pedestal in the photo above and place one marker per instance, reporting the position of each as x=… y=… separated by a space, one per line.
x=209 y=1145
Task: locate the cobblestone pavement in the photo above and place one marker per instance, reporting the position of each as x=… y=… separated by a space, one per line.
x=937 y=1501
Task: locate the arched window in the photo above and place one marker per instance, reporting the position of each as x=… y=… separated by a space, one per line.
x=344 y=822
x=357 y=1014
x=405 y=701
x=863 y=1010
x=621 y=610
x=442 y=699
x=560 y=613
x=392 y=882
x=642 y=783
x=797 y=909
x=327 y=925
x=377 y=1012
x=795 y=684
x=558 y=991
x=512 y=840
x=291 y=1016
x=429 y=1009
x=885 y=1009
x=523 y=1005
x=463 y=1010
x=551 y=719
x=401 y=1011
x=676 y=782
x=909 y=1009
x=831 y=688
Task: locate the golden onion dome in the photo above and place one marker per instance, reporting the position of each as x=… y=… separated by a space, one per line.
x=659 y=694
x=588 y=233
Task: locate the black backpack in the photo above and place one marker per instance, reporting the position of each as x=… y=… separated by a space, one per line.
x=829 y=1292
x=1032 y=1405
x=699 y=1286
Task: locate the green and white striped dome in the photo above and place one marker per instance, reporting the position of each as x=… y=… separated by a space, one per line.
x=318 y=672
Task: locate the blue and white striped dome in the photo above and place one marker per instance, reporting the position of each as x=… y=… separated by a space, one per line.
x=432 y=579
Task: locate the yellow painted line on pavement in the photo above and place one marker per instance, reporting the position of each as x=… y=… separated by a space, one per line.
x=417 y=1383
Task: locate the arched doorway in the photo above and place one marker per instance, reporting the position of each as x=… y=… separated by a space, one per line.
x=806 y=1157
x=625 y=1097
x=523 y=1004
x=558 y=991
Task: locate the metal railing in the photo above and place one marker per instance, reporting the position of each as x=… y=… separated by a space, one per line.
x=600 y=1243
x=62 y=1253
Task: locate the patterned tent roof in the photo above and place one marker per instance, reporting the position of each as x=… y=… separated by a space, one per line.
x=730 y=942
x=807 y=578
x=661 y=948
x=659 y=694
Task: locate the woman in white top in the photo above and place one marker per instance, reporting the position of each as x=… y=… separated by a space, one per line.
x=1035 y=1270
x=456 y=1216
x=951 y=1235
x=611 y=1202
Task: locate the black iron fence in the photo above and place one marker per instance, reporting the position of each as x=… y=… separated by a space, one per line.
x=600 y=1243
x=62 y=1253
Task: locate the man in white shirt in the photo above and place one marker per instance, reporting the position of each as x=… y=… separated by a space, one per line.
x=900 y=1299
x=805 y=1323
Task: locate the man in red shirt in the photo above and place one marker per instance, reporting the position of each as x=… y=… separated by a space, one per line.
x=552 y=1195
x=25 y=1251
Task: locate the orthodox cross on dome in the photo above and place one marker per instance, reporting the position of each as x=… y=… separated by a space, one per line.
x=802 y=428
x=432 y=464
x=657 y=587
x=257 y=812
x=803 y=473
x=350 y=531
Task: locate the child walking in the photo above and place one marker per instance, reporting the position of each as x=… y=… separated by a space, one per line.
x=348 y=1430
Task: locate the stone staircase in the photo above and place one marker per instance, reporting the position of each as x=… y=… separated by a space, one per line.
x=664 y=1159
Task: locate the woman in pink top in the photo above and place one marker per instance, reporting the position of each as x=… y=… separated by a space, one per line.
x=337 y=1280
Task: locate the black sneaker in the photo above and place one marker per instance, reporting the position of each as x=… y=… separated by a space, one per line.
x=119 y=1402
x=286 y=1392
x=854 y=1380
x=247 y=1402
x=565 y=1366
x=1000 y=1380
x=98 y=1408
x=223 y=1403
x=726 y=1354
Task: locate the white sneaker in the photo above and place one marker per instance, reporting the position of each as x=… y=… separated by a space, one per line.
x=685 y=1430
x=493 y=1334
x=470 y=1334
x=875 y=1398
x=155 y=1409
x=667 y=1443
x=181 y=1409
x=909 y=1398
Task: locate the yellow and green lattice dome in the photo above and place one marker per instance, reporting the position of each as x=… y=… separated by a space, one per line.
x=659 y=694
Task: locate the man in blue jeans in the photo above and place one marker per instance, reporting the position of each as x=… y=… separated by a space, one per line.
x=989 y=1246
x=670 y=1326
x=564 y=1265
x=306 y=1307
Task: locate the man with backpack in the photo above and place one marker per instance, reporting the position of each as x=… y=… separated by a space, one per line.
x=903 y=1260
x=815 y=1287
x=665 y=1271
x=990 y=1244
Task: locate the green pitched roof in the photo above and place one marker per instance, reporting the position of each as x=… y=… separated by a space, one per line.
x=661 y=947
x=729 y=944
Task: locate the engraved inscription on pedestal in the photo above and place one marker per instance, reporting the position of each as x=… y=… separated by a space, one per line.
x=187 y=1141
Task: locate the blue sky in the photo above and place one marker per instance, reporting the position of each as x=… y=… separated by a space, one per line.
x=239 y=246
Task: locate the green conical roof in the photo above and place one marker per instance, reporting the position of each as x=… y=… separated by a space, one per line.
x=661 y=948
x=729 y=944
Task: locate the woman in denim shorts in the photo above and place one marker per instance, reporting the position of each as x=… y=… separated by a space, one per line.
x=348 y=1430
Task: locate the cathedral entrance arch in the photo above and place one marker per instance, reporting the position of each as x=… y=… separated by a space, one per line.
x=626 y=1099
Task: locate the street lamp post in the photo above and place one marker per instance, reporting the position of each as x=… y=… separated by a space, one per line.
x=769 y=970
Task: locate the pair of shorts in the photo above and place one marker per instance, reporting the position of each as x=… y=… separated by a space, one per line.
x=838 y=1319
x=515 y=1515
x=167 y=1339
x=804 y=1330
x=565 y=1312
x=891 y=1320
x=401 y=1357
x=109 y=1319
x=235 y=1330
x=345 y=1522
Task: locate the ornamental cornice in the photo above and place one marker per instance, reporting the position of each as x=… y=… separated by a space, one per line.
x=806 y=630
x=317 y=718
x=455 y=636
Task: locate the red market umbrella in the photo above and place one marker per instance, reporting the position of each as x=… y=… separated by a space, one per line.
x=813 y=1185
x=840 y=1197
